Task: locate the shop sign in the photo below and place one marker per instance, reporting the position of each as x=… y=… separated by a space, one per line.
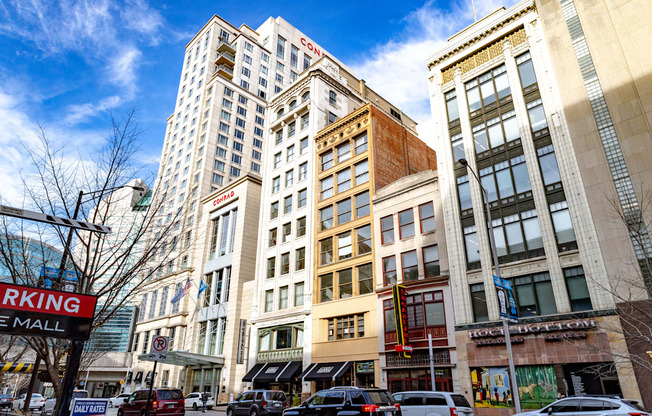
x=89 y=407
x=497 y=341
x=400 y=315
x=31 y=311
x=364 y=367
x=543 y=327
x=223 y=197
x=241 y=341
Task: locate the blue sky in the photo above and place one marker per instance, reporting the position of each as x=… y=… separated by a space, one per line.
x=68 y=64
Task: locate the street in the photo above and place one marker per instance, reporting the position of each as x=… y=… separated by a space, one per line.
x=221 y=411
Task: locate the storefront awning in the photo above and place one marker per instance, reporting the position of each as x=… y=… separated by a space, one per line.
x=253 y=372
x=185 y=358
x=273 y=372
x=326 y=371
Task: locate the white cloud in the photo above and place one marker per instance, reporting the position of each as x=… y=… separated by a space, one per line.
x=80 y=112
x=397 y=69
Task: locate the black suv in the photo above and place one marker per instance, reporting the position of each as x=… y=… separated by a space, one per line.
x=258 y=403
x=347 y=401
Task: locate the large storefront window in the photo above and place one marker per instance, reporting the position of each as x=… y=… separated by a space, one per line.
x=418 y=380
x=425 y=315
x=280 y=338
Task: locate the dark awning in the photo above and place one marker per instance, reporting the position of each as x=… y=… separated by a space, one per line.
x=281 y=371
x=327 y=371
x=139 y=377
x=252 y=373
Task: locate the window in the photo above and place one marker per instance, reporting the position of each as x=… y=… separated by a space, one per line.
x=387 y=229
x=303 y=171
x=578 y=292
x=302 y=198
x=303 y=146
x=427 y=217
x=526 y=71
x=479 y=302
x=548 y=164
x=389 y=271
x=326 y=251
x=534 y=295
x=343 y=152
x=345 y=327
x=256 y=155
x=563 y=227
x=451 y=107
x=300 y=259
x=362 y=204
x=518 y=236
x=343 y=211
x=236 y=159
x=287 y=204
x=294 y=56
x=343 y=180
x=244 y=84
x=219 y=165
x=274 y=210
x=272 y=237
x=362 y=172
x=332 y=98
x=280 y=67
x=431 y=261
x=464 y=192
x=327 y=160
x=344 y=248
x=326 y=287
x=364 y=239
x=280 y=48
x=287 y=232
x=301 y=227
x=245 y=71
x=276 y=184
x=298 y=294
x=306 y=61
x=360 y=144
x=277 y=160
x=406 y=223
x=332 y=118
x=271 y=267
x=305 y=121
x=218 y=179
x=279 y=136
x=269 y=300
x=235 y=171
x=345 y=283
x=536 y=115
x=283 y=297
x=409 y=266
x=289 y=178
x=326 y=187
x=285 y=263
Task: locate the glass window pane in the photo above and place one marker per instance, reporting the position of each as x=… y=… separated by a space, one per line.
x=465 y=196
x=480 y=139
x=525 y=299
x=496 y=137
x=472 y=248
x=511 y=129
x=514 y=238
x=344 y=211
x=521 y=178
x=473 y=97
x=546 y=298
x=526 y=73
x=488 y=93
x=458 y=149
x=505 y=187
x=563 y=226
x=453 y=111
x=549 y=169
x=345 y=283
x=435 y=314
x=390 y=321
x=537 y=118
x=490 y=185
x=502 y=85
x=479 y=301
x=532 y=233
x=499 y=239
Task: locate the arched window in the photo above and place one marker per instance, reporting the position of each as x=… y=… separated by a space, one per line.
x=305 y=97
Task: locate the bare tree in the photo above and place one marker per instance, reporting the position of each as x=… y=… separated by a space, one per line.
x=111 y=268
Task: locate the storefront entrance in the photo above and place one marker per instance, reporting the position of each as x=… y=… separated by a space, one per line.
x=418 y=379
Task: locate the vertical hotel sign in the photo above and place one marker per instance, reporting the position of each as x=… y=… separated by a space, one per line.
x=400 y=313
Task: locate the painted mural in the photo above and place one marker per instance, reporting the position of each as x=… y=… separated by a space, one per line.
x=537 y=386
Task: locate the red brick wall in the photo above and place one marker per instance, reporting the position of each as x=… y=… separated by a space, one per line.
x=397 y=152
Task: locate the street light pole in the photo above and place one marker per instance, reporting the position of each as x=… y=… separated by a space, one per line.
x=494 y=252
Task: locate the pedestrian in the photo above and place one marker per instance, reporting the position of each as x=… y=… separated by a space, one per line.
x=204 y=399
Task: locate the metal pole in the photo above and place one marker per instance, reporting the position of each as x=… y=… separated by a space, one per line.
x=86 y=379
x=66 y=249
x=432 y=363
x=151 y=385
x=32 y=382
x=494 y=252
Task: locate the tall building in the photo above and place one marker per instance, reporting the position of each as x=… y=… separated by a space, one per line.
x=214 y=137
x=281 y=341
x=410 y=250
x=518 y=96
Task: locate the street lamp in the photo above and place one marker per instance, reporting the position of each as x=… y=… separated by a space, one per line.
x=74 y=356
x=494 y=252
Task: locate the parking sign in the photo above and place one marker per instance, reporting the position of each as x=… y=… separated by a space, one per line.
x=159 y=348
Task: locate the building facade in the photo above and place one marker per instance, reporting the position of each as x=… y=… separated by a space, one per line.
x=411 y=251
x=355 y=155
x=496 y=101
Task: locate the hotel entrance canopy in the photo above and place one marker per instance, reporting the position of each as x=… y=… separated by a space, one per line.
x=187 y=359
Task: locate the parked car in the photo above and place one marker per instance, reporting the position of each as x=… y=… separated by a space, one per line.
x=258 y=403
x=164 y=402
x=347 y=400
x=429 y=403
x=6 y=401
x=194 y=400
x=48 y=408
x=590 y=406
x=118 y=400
x=37 y=402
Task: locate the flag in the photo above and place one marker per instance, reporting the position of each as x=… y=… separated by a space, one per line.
x=181 y=292
x=202 y=287
x=187 y=287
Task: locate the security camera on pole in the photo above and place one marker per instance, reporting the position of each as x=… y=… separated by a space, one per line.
x=158 y=351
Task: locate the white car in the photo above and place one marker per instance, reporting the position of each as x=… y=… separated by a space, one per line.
x=119 y=399
x=37 y=402
x=48 y=407
x=432 y=403
x=590 y=406
x=194 y=400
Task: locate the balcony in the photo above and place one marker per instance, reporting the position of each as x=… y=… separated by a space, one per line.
x=290 y=354
x=224 y=45
x=225 y=58
x=225 y=71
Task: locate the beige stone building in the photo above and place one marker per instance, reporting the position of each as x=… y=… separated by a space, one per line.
x=542 y=101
